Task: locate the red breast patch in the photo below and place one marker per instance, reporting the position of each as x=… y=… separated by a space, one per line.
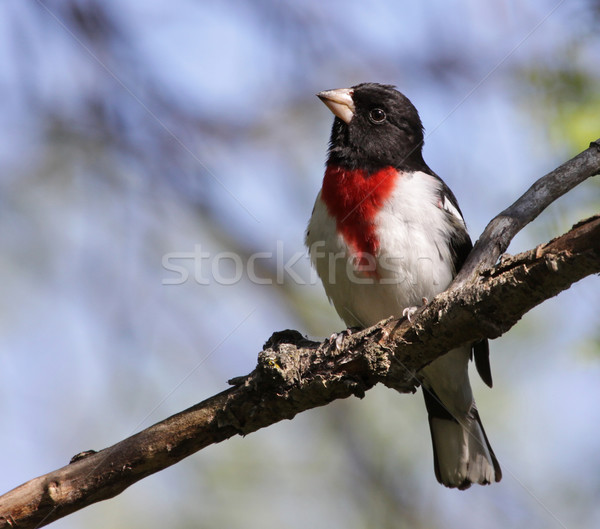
x=353 y=198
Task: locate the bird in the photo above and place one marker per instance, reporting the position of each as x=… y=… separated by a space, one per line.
x=386 y=235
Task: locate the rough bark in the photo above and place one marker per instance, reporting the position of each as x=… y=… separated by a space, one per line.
x=295 y=374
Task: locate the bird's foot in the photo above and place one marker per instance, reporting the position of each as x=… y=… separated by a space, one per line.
x=338 y=338
x=409 y=312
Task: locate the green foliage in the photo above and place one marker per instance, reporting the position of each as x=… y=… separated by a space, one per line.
x=566 y=96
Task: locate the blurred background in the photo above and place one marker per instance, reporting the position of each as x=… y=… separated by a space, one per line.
x=131 y=131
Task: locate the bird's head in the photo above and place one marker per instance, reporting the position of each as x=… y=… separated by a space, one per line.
x=375 y=127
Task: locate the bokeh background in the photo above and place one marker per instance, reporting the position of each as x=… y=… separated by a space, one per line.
x=134 y=129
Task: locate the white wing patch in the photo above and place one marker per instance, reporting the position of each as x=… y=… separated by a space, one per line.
x=449 y=207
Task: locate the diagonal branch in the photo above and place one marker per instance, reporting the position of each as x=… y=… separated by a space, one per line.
x=503 y=227
x=295 y=374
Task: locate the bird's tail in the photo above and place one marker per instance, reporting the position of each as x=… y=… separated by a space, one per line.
x=461 y=451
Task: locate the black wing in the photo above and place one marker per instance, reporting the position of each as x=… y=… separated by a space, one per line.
x=461 y=245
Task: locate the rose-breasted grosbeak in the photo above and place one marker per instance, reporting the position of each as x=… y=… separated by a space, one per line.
x=385 y=235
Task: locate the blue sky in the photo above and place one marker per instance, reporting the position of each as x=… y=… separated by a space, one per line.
x=210 y=134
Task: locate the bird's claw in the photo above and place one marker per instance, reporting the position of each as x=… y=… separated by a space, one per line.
x=338 y=338
x=409 y=312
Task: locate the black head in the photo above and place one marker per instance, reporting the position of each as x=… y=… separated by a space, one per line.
x=375 y=126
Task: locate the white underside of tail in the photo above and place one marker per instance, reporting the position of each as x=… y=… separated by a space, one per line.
x=463 y=455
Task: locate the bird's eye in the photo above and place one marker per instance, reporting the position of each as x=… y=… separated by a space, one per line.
x=377 y=115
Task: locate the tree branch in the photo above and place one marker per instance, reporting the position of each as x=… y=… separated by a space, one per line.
x=503 y=227
x=295 y=374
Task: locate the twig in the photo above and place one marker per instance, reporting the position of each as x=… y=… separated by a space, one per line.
x=503 y=227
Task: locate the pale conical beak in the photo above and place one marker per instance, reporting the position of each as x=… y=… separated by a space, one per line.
x=340 y=102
